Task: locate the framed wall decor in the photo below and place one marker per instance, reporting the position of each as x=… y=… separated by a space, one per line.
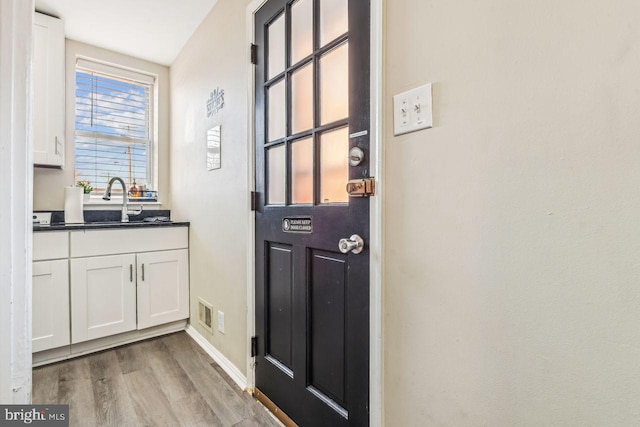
x=214 y=142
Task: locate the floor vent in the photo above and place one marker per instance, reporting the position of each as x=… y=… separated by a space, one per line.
x=204 y=317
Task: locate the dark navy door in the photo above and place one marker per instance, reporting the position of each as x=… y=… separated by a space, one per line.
x=312 y=300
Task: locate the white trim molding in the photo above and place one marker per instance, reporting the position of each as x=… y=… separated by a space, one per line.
x=376 y=219
x=231 y=369
x=252 y=8
x=16 y=175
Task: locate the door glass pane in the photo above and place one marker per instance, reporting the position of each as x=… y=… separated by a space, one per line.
x=334 y=19
x=302 y=99
x=277 y=111
x=334 y=85
x=276 y=47
x=302 y=171
x=276 y=159
x=334 y=166
x=301 y=30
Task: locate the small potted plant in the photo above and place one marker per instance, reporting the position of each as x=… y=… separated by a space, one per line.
x=87 y=189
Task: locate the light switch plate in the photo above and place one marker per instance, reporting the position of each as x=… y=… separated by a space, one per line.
x=412 y=110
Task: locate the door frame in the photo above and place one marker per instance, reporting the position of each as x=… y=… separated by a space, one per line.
x=16 y=172
x=376 y=221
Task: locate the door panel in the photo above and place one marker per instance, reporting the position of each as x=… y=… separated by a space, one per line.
x=280 y=303
x=103 y=296
x=327 y=313
x=163 y=287
x=312 y=302
x=50 y=304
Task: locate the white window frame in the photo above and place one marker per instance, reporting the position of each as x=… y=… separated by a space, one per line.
x=85 y=63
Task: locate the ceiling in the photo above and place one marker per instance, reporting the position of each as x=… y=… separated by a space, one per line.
x=154 y=30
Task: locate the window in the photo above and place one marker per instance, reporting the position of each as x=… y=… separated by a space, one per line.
x=114 y=128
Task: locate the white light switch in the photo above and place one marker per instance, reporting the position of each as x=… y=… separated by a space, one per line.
x=412 y=110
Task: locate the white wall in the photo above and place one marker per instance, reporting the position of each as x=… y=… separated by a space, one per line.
x=49 y=183
x=214 y=201
x=512 y=238
x=15 y=225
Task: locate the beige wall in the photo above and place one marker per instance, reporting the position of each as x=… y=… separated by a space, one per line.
x=215 y=202
x=48 y=186
x=512 y=276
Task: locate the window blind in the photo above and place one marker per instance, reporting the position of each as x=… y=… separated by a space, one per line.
x=113 y=126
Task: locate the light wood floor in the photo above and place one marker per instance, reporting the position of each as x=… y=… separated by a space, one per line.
x=166 y=381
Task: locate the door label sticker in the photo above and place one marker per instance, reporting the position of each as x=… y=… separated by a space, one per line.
x=359 y=134
x=297 y=224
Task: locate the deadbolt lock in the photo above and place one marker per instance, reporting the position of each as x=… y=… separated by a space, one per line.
x=361 y=187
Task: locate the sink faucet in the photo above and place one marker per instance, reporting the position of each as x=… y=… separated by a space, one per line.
x=125 y=198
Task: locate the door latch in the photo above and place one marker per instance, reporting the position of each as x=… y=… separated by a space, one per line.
x=353 y=244
x=364 y=187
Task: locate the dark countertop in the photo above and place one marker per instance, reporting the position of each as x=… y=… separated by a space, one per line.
x=104 y=219
x=107 y=225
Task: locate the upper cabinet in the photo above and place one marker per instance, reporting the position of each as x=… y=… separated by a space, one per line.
x=48 y=91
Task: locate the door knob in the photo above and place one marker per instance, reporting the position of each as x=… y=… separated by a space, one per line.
x=353 y=244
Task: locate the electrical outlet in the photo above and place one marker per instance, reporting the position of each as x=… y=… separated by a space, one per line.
x=221 y=322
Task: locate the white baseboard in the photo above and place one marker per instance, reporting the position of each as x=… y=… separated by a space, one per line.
x=238 y=377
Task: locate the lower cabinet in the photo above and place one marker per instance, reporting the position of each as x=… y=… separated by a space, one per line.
x=50 y=306
x=118 y=283
x=121 y=293
x=103 y=296
x=163 y=287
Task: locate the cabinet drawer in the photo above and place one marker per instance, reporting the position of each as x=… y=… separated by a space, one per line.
x=111 y=242
x=50 y=245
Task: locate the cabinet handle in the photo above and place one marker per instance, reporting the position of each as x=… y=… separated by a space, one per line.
x=131 y=273
x=57 y=152
x=143 y=272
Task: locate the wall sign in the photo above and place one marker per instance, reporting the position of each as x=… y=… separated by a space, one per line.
x=298 y=224
x=215 y=102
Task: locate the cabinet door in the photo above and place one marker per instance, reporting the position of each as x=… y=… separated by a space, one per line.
x=50 y=304
x=103 y=296
x=48 y=91
x=163 y=287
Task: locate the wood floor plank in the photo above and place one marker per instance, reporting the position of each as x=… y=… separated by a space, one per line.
x=175 y=382
x=104 y=365
x=180 y=342
x=130 y=358
x=151 y=405
x=168 y=380
x=47 y=378
x=113 y=405
x=75 y=389
x=193 y=410
x=255 y=422
x=227 y=405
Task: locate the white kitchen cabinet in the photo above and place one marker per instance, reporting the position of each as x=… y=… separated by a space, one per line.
x=163 y=287
x=103 y=296
x=50 y=306
x=48 y=91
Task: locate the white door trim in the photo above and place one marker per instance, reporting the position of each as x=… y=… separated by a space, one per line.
x=252 y=8
x=376 y=223
x=16 y=169
x=376 y=151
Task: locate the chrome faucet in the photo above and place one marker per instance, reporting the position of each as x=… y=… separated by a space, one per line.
x=125 y=198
